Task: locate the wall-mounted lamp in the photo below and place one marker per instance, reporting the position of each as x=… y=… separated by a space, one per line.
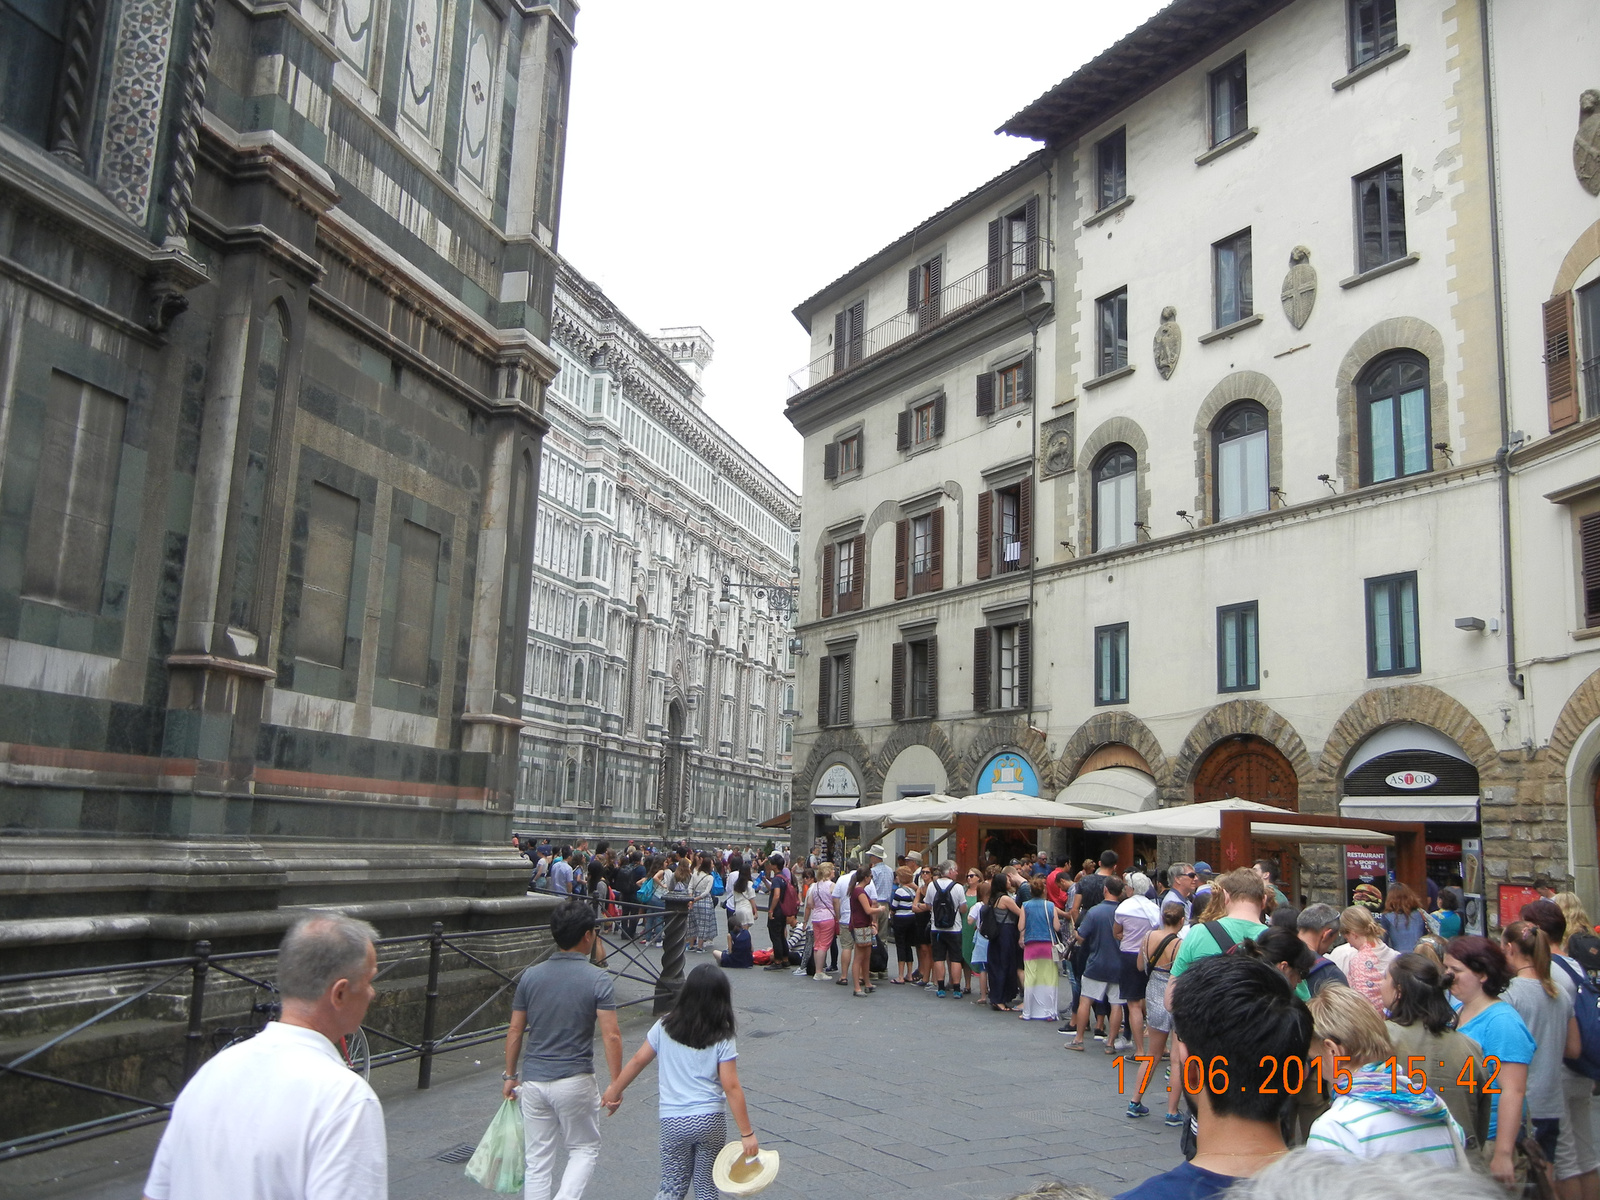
x=1278 y=492
x=1328 y=481
x=1471 y=624
x=1144 y=530
x=1185 y=515
x=1444 y=449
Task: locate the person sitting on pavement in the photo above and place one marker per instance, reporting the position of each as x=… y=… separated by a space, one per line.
x=739 y=952
x=1238 y=1016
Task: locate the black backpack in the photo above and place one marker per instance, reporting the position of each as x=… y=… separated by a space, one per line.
x=988 y=923
x=944 y=908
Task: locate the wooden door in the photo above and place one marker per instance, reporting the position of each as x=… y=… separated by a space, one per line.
x=1250 y=769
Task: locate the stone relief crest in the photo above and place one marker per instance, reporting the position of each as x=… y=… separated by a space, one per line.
x=1299 y=287
x=1586 y=146
x=1059 y=446
x=1168 y=342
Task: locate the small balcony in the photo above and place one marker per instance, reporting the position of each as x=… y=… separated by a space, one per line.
x=1025 y=261
x=1591 y=387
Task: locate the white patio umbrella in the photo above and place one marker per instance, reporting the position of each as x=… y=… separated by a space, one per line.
x=1204 y=820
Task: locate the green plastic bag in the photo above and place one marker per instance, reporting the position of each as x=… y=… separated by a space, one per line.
x=498 y=1162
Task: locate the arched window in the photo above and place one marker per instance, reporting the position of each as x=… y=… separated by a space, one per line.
x=572 y=781
x=1115 y=498
x=1239 y=444
x=577 y=680
x=588 y=554
x=594 y=684
x=590 y=493
x=1392 y=397
x=583 y=620
x=555 y=121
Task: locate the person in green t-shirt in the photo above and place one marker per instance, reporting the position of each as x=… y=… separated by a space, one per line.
x=1244 y=895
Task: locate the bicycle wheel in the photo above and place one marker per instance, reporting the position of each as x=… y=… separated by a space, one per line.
x=357 y=1056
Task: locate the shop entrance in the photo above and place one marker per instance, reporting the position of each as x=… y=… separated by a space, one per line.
x=1250 y=768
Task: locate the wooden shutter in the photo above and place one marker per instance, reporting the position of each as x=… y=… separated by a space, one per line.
x=824 y=686
x=994 y=255
x=830 y=461
x=902 y=559
x=1030 y=218
x=1025 y=522
x=1025 y=380
x=935 y=273
x=902 y=430
x=1024 y=664
x=914 y=289
x=1589 y=539
x=858 y=319
x=980 y=669
x=931 y=700
x=1560 y=367
x=830 y=554
x=986 y=394
x=936 y=553
x=859 y=579
x=985 y=534
x=841 y=341
x=897 y=682
x=843 y=716
x=938 y=415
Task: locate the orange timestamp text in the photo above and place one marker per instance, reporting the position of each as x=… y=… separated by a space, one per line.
x=1290 y=1076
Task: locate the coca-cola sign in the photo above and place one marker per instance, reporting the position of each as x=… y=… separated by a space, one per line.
x=1411 y=781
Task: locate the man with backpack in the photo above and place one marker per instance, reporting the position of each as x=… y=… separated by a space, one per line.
x=945 y=898
x=1244 y=896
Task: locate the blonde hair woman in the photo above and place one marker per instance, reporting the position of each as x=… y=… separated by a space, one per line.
x=1365 y=956
x=1375 y=1114
x=820 y=916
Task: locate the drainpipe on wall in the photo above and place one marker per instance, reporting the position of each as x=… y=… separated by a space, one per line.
x=1502 y=456
x=1033 y=448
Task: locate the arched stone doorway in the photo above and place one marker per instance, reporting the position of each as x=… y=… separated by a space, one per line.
x=1250 y=768
x=675 y=811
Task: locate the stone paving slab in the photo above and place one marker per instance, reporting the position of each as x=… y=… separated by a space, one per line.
x=898 y=1093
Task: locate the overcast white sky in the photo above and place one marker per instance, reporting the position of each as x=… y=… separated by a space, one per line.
x=727 y=158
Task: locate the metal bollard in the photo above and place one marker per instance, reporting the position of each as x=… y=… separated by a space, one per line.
x=197 y=1003
x=672 y=953
x=430 y=1007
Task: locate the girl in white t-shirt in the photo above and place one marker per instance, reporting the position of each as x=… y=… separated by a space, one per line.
x=699 y=1068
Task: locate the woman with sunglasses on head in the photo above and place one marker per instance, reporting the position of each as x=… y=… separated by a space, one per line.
x=969 y=933
x=1421 y=1024
x=1479 y=976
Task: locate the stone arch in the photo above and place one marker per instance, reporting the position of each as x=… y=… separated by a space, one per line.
x=1581 y=710
x=1393 y=333
x=1237 y=718
x=1422 y=703
x=927 y=734
x=1107 y=727
x=989 y=739
x=1578 y=259
x=1109 y=433
x=837 y=745
x=1241 y=385
x=1573 y=757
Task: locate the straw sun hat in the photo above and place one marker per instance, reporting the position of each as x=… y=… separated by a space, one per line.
x=738 y=1177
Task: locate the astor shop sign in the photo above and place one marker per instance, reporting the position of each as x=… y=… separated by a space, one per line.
x=1411 y=781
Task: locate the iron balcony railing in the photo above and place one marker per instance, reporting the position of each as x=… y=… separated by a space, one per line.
x=1591 y=387
x=1024 y=261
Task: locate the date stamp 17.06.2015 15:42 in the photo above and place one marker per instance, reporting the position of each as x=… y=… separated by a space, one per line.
x=1289 y=1076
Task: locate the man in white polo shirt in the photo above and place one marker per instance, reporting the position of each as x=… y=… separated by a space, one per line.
x=281 y=1117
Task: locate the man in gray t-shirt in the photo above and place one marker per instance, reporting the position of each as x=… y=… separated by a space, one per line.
x=550 y=1053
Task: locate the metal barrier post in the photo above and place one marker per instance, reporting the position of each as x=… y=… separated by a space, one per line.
x=197 y=1002
x=430 y=1008
x=672 y=952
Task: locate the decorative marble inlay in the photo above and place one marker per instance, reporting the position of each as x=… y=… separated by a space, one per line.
x=1299 y=288
x=477 y=97
x=352 y=32
x=133 y=107
x=1168 y=342
x=1056 y=436
x=422 y=63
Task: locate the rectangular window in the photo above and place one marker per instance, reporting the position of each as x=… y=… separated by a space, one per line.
x=1005 y=658
x=414 y=604
x=1112 y=311
x=1589 y=347
x=919 y=679
x=844 y=579
x=1010 y=387
x=1008 y=509
x=837 y=707
x=848 y=331
x=1373 y=30
x=325 y=595
x=1230 y=115
x=1111 y=664
x=921 y=544
x=1392 y=625
x=1381 y=216
x=850 y=454
x=69 y=529
x=1111 y=165
x=923 y=290
x=1233 y=295
x=1016 y=233
x=1238 y=648
x=922 y=423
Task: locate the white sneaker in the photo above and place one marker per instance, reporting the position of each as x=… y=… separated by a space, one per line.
x=1122 y=1043
x=823 y=977
x=798 y=971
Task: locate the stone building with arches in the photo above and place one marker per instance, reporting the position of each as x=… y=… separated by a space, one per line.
x=1316 y=542
x=658 y=701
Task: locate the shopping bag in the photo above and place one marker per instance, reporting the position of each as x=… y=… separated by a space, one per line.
x=498 y=1161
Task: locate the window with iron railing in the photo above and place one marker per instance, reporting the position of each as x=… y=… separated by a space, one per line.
x=1588 y=322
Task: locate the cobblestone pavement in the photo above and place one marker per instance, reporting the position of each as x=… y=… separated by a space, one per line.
x=897 y=1093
